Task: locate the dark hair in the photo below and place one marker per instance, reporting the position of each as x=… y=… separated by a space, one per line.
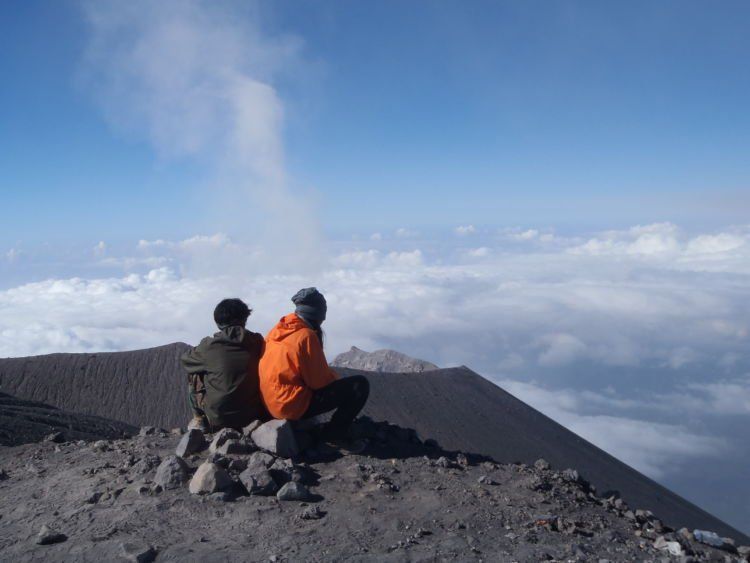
x=231 y=312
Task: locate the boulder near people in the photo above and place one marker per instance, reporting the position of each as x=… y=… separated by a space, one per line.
x=222 y=372
x=295 y=379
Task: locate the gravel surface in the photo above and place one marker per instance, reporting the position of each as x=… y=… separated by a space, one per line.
x=399 y=500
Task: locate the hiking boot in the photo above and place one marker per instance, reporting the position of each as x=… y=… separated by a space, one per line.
x=198 y=423
x=348 y=447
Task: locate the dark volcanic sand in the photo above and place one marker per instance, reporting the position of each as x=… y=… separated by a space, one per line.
x=392 y=504
x=455 y=406
x=23 y=421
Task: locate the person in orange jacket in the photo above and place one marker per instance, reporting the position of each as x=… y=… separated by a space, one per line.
x=295 y=379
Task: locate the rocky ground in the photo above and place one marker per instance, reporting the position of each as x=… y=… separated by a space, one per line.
x=398 y=500
x=455 y=406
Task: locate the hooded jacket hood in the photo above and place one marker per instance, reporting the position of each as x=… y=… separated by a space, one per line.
x=287 y=325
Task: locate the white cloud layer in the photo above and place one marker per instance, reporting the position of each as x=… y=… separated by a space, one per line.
x=635 y=339
x=650 y=447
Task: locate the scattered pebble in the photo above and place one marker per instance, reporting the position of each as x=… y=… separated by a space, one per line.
x=47 y=536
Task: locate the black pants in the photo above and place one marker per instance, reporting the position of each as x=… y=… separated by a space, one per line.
x=347 y=395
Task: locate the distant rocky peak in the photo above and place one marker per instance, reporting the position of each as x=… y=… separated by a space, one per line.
x=388 y=361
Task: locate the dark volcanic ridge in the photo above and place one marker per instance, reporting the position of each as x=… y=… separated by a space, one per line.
x=23 y=421
x=138 y=387
x=401 y=499
x=388 y=361
x=456 y=407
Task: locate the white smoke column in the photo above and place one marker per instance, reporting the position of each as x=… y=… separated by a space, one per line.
x=196 y=78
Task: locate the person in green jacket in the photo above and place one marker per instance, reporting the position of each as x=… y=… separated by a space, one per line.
x=222 y=372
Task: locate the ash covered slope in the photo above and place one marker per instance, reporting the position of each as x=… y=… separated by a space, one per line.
x=23 y=421
x=381 y=361
x=457 y=407
x=138 y=387
x=464 y=411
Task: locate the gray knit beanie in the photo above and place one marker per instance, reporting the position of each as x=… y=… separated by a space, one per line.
x=311 y=306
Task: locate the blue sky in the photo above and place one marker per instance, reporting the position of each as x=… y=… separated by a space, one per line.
x=421 y=114
x=555 y=194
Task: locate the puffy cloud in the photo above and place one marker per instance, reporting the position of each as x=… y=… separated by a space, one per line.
x=464 y=230
x=721 y=397
x=403 y=232
x=480 y=252
x=560 y=349
x=369 y=259
x=665 y=242
x=641 y=240
x=712 y=244
x=529 y=234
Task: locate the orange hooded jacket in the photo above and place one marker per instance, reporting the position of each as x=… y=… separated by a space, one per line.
x=292 y=366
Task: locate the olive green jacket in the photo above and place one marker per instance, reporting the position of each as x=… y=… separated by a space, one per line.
x=228 y=361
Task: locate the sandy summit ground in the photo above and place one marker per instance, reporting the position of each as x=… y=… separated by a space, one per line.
x=398 y=500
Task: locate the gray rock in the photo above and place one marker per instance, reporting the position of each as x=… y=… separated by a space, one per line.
x=444 y=462
x=48 y=537
x=238 y=465
x=221 y=496
x=311 y=513
x=93 y=498
x=4 y=475
x=56 y=437
x=744 y=550
x=672 y=547
x=137 y=552
x=172 y=473
x=146 y=464
x=219 y=459
x=276 y=436
x=261 y=460
x=101 y=446
x=643 y=516
x=542 y=464
x=209 y=478
x=222 y=436
x=193 y=441
x=147 y=431
x=282 y=464
x=252 y=427
x=293 y=491
x=708 y=538
x=571 y=475
x=233 y=446
x=258 y=481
